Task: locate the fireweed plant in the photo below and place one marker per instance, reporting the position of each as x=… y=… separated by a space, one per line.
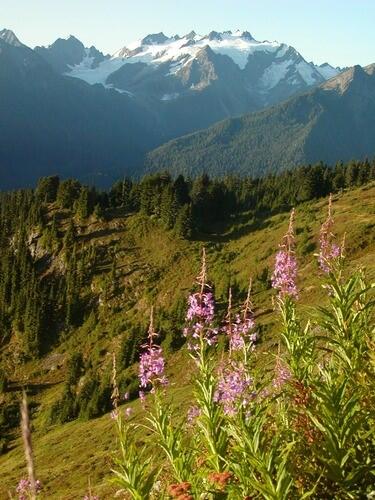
x=304 y=429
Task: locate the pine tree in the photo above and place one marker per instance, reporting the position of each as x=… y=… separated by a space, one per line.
x=68 y=192
x=46 y=190
x=70 y=235
x=168 y=207
x=82 y=206
x=184 y=223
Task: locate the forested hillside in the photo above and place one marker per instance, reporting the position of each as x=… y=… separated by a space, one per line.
x=80 y=269
x=333 y=122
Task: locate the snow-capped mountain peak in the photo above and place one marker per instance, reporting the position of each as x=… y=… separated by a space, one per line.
x=158 y=48
x=10 y=38
x=160 y=66
x=155 y=39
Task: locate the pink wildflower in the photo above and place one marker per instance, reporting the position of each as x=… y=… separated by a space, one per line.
x=193 y=413
x=128 y=412
x=240 y=332
x=329 y=250
x=285 y=272
x=152 y=364
x=233 y=389
x=24 y=488
x=200 y=313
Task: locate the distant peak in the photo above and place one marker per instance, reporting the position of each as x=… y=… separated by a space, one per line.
x=370 y=69
x=346 y=79
x=154 y=39
x=10 y=38
x=247 y=35
x=70 y=41
x=214 y=35
x=73 y=38
x=190 y=35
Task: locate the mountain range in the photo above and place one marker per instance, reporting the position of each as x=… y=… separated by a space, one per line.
x=171 y=68
x=334 y=122
x=73 y=110
x=193 y=81
x=51 y=123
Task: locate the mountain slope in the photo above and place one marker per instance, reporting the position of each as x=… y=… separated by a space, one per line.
x=152 y=259
x=334 y=122
x=51 y=123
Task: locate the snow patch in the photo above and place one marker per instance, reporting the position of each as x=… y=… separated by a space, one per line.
x=275 y=73
x=99 y=74
x=327 y=71
x=170 y=97
x=307 y=73
x=282 y=50
x=110 y=86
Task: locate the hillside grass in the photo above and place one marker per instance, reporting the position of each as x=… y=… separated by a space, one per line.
x=156 y=268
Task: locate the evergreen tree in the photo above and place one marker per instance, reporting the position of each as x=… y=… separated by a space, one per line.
x=83 y=206
x=47 y=188
x=184 y=223
x=168 y=207
x=68 y=192
x=70 y=235
x=181 y=189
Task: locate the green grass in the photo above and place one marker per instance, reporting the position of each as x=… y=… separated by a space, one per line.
x=156 y=268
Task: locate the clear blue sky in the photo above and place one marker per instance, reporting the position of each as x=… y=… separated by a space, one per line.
x=338 y=31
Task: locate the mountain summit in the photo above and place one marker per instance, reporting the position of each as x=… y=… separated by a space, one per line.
x=10 y=38
x=67 y=53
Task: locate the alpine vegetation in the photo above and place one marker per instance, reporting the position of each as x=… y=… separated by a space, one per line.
x=292 y=420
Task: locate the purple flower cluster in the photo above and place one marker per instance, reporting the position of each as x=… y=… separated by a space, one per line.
x=200 y=313
x=241 y=332
x=192 y=414
x=329 y=250
x=151 y=367
x=285 y=272
x=233 y=389
x=201 y=306
x=24 y=488
x=151 y=363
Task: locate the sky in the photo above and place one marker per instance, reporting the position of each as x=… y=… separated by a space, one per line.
x=340 y=32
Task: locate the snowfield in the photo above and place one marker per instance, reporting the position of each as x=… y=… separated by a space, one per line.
x=180 y=51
